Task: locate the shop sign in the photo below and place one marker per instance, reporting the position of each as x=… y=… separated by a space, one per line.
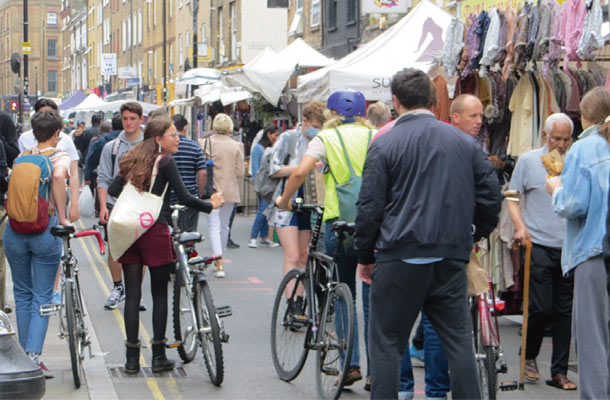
x=385 y=6
x=468 y=7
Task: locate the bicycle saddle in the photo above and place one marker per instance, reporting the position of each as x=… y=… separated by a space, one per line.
x=62 y=230
x=189 y=237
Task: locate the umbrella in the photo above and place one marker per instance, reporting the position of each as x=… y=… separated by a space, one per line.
x=199 y=76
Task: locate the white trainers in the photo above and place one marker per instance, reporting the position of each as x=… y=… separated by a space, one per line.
x=220 y=273
x=252 y=243
x=116 y=296
x=269 y=243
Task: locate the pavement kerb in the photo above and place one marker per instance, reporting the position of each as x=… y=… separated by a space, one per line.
x=99 y=383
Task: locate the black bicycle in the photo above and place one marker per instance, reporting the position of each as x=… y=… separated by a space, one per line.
x=197 y=321
x=314 y=311
x=71 y=311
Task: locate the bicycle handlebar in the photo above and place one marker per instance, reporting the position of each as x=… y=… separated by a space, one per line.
x=298 y=205
x=93 y=232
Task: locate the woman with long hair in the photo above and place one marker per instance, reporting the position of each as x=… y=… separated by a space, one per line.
x=581 y=196
x=154 y=248
x=228 y=158
x=262 y=149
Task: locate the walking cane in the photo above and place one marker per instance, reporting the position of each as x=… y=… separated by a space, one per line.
x=526 y=303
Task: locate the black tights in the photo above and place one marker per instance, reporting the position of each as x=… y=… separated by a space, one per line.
x=159 y=278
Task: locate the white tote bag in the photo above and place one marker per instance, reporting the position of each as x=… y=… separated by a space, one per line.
x=86 y=202
x=132 y=215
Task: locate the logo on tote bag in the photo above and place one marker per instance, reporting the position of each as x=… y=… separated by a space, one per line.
x=146 y=220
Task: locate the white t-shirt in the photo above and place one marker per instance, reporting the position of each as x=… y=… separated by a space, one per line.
x=27 y=141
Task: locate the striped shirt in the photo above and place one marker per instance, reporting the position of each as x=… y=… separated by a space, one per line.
x=189 y=160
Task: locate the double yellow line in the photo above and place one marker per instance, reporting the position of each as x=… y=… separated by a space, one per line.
x=95 y=260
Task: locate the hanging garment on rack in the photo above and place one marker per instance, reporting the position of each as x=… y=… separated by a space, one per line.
x=572 y=21
x=502 y=39
x=491 y=45
x=544 y=30
x=511 y=23
x=520 y=38
x=441 y=110
x=553 y=55
x=573 y=105
x=566 y=90
x=454 y=44
x=471 y=47
x=522 y=106
x=533 y=22
x=591 y=39
x=481 y=31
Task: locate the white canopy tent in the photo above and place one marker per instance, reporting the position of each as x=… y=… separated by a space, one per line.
x=414 y=41
x=116 y=106
x=268 y=73
x=91 y=103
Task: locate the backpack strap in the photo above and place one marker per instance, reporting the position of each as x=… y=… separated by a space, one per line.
x=115 y=151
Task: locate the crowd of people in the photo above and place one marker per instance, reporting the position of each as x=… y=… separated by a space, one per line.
x=432 y=193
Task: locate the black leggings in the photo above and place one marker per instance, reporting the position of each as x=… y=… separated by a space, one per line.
x=159 y=278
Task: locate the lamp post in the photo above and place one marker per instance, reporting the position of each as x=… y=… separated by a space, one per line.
x=195 y=54
x=164 y=55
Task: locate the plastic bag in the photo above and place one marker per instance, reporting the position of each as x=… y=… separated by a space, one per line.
x=86 y=204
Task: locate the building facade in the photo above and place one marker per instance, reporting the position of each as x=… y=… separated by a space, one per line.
x=45 y=36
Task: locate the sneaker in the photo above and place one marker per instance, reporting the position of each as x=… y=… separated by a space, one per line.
x=353 y=375
x=232 y=245
x=116 y=296
x=367 y=384
x=45 y=371
x=252 y=243
x=142 y=305
x=56 y=299
x=220 y=273
x=269 y=243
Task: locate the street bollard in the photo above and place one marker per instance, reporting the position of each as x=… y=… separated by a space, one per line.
x=20 y=377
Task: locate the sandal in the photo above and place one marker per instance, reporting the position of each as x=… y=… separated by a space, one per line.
x=560 y=381
x=353 y=375
x=531 y=371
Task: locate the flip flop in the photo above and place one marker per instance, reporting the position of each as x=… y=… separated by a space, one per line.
x=531 y=371
x=560 y=381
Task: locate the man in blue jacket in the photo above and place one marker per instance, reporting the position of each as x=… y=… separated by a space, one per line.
x=427 y=183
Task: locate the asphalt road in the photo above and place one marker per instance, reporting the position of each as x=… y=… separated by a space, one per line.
x=252 y=278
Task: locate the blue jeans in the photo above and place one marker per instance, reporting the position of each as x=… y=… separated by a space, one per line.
x=346 y=266
x=34 y=261
x=260 y=226
x=436 y=367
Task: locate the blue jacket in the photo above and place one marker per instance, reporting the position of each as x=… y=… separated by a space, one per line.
x=94 y=153
x=426 y=184
x=583 y=199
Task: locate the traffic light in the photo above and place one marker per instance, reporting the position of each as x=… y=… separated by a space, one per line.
x=14 y=106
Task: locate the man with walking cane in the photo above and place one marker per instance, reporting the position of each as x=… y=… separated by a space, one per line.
x=550 y=293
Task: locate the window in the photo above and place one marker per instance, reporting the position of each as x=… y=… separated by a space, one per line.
x=140 y=26
x=171 y=8
x=154 y=12
x=124 y=36
x=52 y=20
x=171 y=59
x=203 y=38
x=179 y=3
x=107 y=31
x=234 y=32
x=180 y=50
x=128 y=32
x=332 y=14
x=52 y=48
x=315 y=13
x=351 y=11
x=134 y=17
x=99 y=14
x=52 y=81
x=299 y=4
x=221 y=40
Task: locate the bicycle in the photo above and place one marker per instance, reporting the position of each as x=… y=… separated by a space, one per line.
x=312 y=310
x=489 y=355
x=71 y=311
x=197 y=321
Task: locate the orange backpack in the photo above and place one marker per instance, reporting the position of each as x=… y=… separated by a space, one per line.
x=29 y=189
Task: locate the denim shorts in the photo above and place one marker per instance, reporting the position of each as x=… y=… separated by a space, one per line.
x=302 y=220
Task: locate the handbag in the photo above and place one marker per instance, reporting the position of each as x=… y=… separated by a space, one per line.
x=208 y=191
x=133 y=214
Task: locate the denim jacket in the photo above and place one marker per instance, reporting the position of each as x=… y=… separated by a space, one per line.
x=583 y=199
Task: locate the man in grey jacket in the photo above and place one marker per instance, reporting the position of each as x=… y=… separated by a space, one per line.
x=108 y=169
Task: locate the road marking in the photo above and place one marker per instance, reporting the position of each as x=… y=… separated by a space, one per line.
x=152 y=383
x=255 y=280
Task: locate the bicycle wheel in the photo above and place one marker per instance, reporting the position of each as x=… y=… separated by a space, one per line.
x=289 y=333
x=335 y=342
x=486 y=360
x=73 y=336
x=209 y=332
x=184 y=318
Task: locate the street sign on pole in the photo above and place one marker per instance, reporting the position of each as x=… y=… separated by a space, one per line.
x=109 y=64
x=26 y=47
